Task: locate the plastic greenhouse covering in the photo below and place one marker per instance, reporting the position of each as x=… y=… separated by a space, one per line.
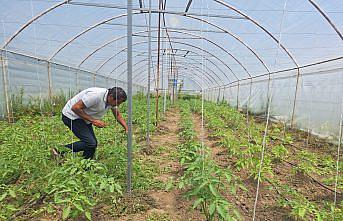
x=233 y=108
x=234 y=50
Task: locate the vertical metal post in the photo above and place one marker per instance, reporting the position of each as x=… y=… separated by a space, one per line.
x=223 y=97
x=5 y=82
x=129 y=93
x=49 y=81
x=248 y=105
x=338 y=152
x=77 y=79
x=149 y=78
x=228 y=96
x=158 y=60
x=238 y=95
x=163 y=85
x=218 y=97
x=295 y=97
x=173 y=77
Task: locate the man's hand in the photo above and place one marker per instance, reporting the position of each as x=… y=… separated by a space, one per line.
x=99 y=123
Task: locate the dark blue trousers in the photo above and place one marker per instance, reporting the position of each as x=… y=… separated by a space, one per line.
x=85 y=133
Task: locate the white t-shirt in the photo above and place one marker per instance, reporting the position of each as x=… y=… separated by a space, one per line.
x=94 y=99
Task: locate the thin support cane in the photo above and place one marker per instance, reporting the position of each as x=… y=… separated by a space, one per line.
x=269 y=96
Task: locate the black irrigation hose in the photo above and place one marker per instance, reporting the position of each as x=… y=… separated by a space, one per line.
x=313 y=179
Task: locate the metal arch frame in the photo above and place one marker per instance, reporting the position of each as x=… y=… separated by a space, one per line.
x=155 y=11
x=194 y=53
x=198 y=68
x=214 y=43
x=123 y=49
x=261 y=27
x=123 y=15
x=186 y=33
x=142 y=42
x=119 y=16
x=185 y=15
x=193 y=77
x=206 y=51
x=189 y=77
x=175 y=49
x=194 y=67
x=327 y=18
x=85 y=31
x=209 y=82
x=32 y=20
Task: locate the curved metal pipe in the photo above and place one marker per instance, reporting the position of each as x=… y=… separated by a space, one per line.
x=259 y=26
x=85 y=31
x=175 y=49
x=190 y=45
x=32 y=20
x=189 y=77
x=156 y=11
x=183 y=32
x=193 y=67
x=209 y=77
x=326 y=18
x=208 y=81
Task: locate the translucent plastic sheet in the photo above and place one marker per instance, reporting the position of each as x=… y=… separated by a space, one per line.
x=318 y=100
x=30 y=77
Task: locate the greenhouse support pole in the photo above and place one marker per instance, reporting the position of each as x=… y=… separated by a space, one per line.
x=295 y=97
x=228 y=96
x=238 y=95
x=94 y=79
x=163 y=78
x=218 y=97
x=4 y=81
x=158 y=62
x=223 y=95
x=338 y=152
x=149 y=79
x=49 y=81
x=77 y=79
x=129 y=93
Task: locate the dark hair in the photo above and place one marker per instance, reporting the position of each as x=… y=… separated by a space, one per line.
x=117 y=93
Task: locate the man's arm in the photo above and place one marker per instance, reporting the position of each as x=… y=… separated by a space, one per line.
x=119 y=118
x=78 y=109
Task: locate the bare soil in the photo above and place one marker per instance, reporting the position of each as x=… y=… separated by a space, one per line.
x=167 y=205
x=267 y=207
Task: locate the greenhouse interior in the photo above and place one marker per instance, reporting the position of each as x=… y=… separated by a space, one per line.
x=221 y=110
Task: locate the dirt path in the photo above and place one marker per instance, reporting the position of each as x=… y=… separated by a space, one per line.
x=167 y=205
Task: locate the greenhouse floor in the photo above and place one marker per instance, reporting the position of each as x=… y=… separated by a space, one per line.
x=297 y=176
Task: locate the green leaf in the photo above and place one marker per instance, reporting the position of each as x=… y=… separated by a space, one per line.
x=78 y=206
x=302 y=212
x=213 y=190
x=222 y=212
x=212 y=208
x=88 y=215
x=3 y=196
x=169 y=185
x=66 y=212
x=12 y=193
x=197 y=202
